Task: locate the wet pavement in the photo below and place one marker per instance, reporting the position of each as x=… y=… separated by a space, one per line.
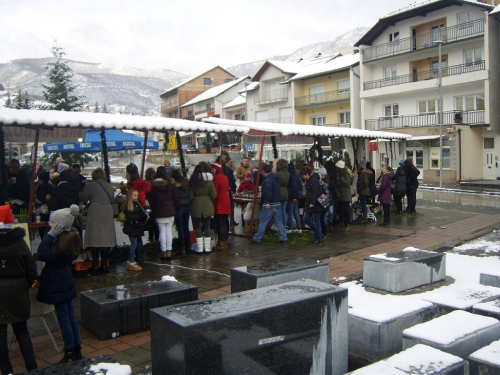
x=444 y=220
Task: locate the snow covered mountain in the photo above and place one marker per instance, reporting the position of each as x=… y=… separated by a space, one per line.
x=131 y=90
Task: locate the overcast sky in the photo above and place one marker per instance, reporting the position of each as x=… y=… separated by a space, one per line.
x=186 y=36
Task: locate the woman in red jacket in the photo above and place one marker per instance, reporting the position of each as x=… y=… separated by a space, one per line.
x=134 y=181
x=222 y=206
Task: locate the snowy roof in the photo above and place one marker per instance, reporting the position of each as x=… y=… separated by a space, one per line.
x=311 y=130
x=252 y=86
x=239 y=100
x=496 y=10
x=339 y=63
x=49 y=119
x=192 y=78
x=284 y=66
x=215 y=91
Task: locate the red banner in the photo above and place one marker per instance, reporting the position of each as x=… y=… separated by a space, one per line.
x=372 y=146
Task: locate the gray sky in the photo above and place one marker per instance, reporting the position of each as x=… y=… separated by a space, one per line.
x=186 y=36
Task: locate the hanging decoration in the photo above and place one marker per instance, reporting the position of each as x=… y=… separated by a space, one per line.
x=181 y=154
x=104 y=155
x=275 y=150
x=316 y=152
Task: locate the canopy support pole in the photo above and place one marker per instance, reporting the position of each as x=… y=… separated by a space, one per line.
x=143 y=162
x=33 y=175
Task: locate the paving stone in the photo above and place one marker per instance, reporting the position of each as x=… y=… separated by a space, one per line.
x=376 y=331
x=486 y=361
x=402 y=270
x=124 y=309
x=265 y=274
x=292 y=328
x=459 y=333
x=418 y=360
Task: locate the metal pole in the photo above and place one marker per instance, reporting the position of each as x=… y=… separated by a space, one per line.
x=440 y=83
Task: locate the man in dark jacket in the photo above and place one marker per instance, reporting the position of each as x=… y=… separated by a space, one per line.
x=65 y=193
x=271 y=207
x=232 y=185
x=399 y=192
x=19 y=187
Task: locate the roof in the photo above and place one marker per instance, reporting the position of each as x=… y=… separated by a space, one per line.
x=238 y=101
x=252 y=86
x=215 y=91
x=265 y=128
x=339 y=63
x=284 y=66
x=60 y=119
x=415 y=9
x=496 y=10
x=193 y=78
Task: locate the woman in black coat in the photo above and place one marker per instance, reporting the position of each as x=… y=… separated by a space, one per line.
x=17 y=274
x=313 y=208
x=412 y=174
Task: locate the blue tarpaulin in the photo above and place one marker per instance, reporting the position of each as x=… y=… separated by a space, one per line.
x=116 y=140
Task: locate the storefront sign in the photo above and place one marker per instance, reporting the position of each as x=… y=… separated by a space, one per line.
x=23 y=134
x=372 y=146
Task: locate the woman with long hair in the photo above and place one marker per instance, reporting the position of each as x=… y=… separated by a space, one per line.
x=59 y=247
x=384 y=193
x=135 y=221
x=100 y=234
x=202 y=195
x=182 y=211
x=163 y=199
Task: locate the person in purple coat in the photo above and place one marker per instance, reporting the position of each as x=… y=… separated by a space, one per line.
x=384 y=193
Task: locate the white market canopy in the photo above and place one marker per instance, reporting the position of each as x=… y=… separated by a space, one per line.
x=60 y=126
x=308 y=130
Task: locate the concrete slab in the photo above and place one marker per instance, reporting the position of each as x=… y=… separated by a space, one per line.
x=486 y=361
x=402 y=270
x=490 y=308
x=459 y=333
x=376 y=331
x=462 y=298
x=266 y=274
x=418 y=360
x=490 y=278
x=292 y=328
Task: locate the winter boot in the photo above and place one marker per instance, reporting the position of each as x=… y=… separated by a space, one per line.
x=95 y=263
x=104 y=260
x=207 y=244
x=78 y=352
x=362 y=219
x=199 y=242
x=221 y=245
x=69 y=356
x=133 y=266
x=187 y=249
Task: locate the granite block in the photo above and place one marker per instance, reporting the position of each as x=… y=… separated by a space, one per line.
x=402 y=270
x=124 y=309
x=490 y=308
x=459 y=333
x=376 y=331
x=266 y=274
x=292 y=328
x=490 y=278
x=486 y=361
x=418 y=360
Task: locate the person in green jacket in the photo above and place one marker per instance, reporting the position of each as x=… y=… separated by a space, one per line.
x=344 y=176
x=202 y=195
x=363 y=187
x=280 y=167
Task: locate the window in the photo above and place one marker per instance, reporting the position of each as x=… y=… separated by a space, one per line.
x=209 y=107
x=435 y=148
x=261 y=116
x=286 y=115
x=435 y=66
x=190 y=112
x=489 y=143
x=438 y=33
x=472 y=56
x=470 y=102
x=237 y=116
x=344 y=85
x=319 y=120
x=207 y=81
x=427 y=106
x=390 y=71
x=465 y=17
x=227 y=80
x=317 y=93
x=345 y=117
x=391 y=110
x=394 y=37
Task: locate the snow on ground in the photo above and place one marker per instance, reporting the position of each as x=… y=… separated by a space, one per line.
x=110 y=369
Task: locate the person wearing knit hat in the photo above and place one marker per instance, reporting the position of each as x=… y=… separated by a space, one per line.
x=340 y=164
x=65 y=217
x=216 y=166
x=401 y=162
x=58 y=248
x=62 y=167
x=322 y=171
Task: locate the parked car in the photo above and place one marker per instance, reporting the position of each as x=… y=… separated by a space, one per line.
x=176 y=163
x=191 y=149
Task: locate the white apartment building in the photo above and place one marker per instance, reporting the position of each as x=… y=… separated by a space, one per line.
x=400 y=87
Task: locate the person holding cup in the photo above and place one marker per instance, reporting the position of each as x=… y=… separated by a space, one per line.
x=17 y=180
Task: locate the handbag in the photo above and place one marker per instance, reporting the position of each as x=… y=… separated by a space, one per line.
x=121 y=217
x=324 y=200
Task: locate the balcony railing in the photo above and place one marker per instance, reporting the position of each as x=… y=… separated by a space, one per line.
x=272 y=96
x=426 y=119
x=169 y=106
x=322 y=99
x=446 y=35
x=428 y=74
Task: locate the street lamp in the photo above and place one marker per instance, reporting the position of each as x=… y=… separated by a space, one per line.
x=440 y=115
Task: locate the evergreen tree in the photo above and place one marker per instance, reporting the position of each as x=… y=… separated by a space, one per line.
x=8 y=102
x=104 y=109
x=22 y=101
x=96 y=110
x=59 y=92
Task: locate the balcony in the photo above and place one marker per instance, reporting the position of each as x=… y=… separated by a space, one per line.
x=282 y=120
x=272 y=96
x=170 y=106
x=422 y=76
x=426 y=119
x=322 y=99
x=427 y=40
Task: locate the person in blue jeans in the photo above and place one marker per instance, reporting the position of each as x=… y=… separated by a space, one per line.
x=271 y=206
x=59 y=247
x=313 y=207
